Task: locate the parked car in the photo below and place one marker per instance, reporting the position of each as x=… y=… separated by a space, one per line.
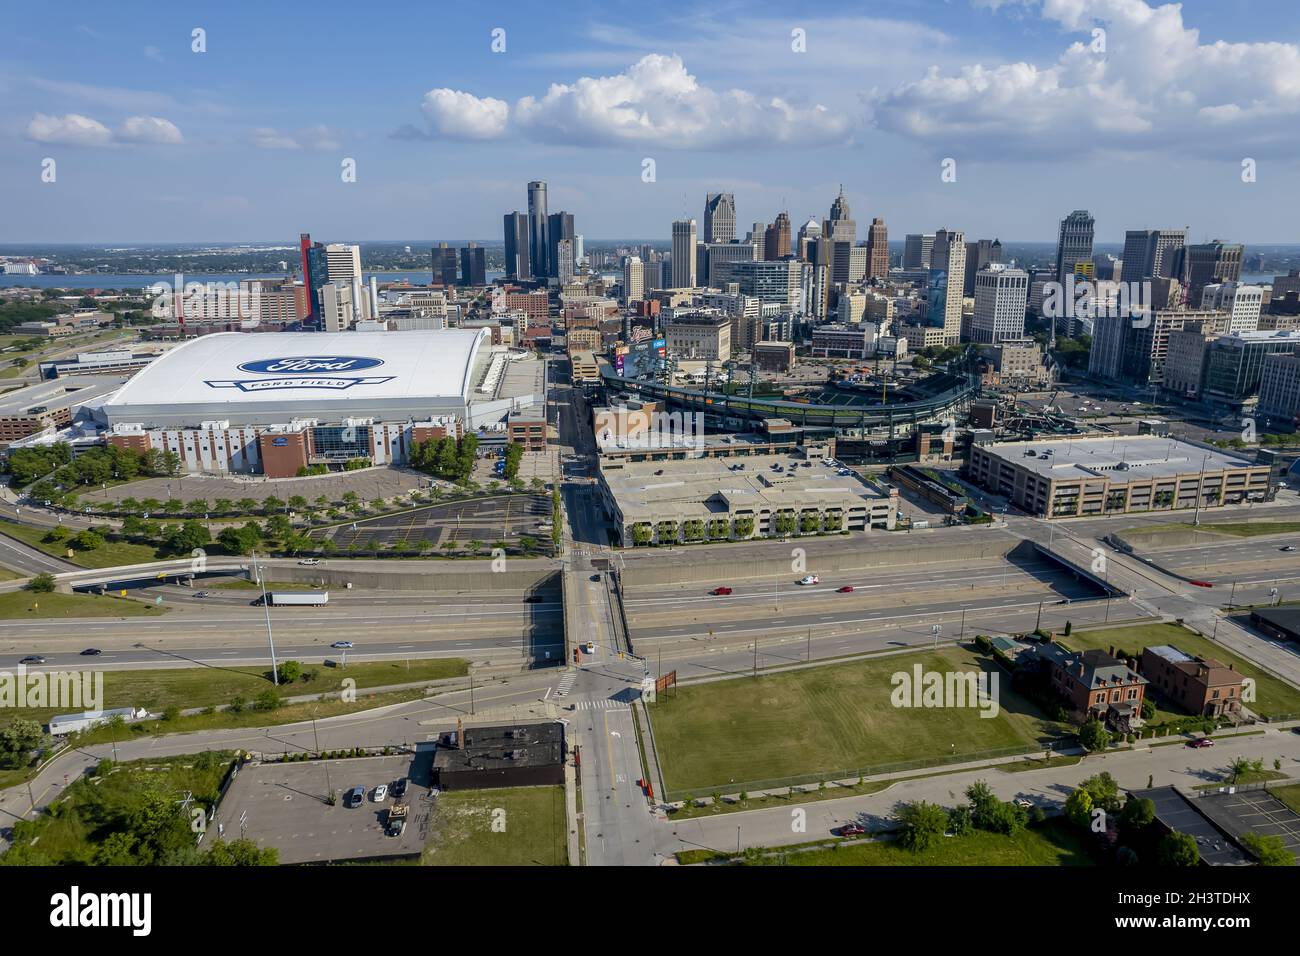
x=847 y=589
x=91 y=652
x=380 y=793
x=721 y=590
x=853 y=829
x=342 y=645
x=399 y=788
x=355 y=797
x=32 y=659
x=810 y=579
x=1200 y=742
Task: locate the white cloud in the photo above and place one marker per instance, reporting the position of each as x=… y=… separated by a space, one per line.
x=149 y=129
x=72 y=129
x=1155 y=85
x=312 y=138
x=458 y=115
x=657 y=102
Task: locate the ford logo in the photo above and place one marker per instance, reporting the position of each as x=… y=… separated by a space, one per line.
x=310 y=365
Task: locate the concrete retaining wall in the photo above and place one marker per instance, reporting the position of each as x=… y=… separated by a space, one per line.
x=427 y=576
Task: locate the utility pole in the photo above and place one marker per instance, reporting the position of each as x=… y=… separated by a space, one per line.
x=755 y=656
x=1039 y=622
x=808 y=656
x=266 y=606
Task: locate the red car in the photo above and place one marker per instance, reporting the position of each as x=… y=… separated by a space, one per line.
x=853 y=829
x=721 y=590
x=847 y=589
x=1200 y=742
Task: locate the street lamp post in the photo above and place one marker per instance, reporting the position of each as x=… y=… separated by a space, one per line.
x=266 y=606
x=935 y=629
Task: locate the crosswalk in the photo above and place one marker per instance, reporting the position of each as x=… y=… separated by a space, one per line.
x=566 y=682
x=602 y=705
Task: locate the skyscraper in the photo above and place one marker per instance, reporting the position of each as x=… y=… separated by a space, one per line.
x=343 y=263
x=315 y=274
x=1074 y=242
x=539 y=245
x=1000 y=295
x=980 y=254
x=1206 y=263
x=947 y=279
x=473 y=265
x=1151 y=252
x=776 y=238
x=683 y=258
x=518 y=265
x=444 y=263
x=877 y=250
x=840 y=225
x=633 y=280
x=559 y=226
x=719 y=217
x=916 y=250
x=564 y=260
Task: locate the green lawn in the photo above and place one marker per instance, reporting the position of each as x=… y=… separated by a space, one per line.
x=9 y=574
x=27 y=604
x=831 y=720
x=112 y=554
x=535 y=829
x=1274 y=696
x=1054 y=843
x=1288 y=795
x=1240 y=529
x=191 y=687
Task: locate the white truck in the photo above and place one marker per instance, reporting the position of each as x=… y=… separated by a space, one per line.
x=297 y=598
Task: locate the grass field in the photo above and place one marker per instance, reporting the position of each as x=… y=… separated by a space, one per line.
x=1054 y=843
x=1239 y=529
x=535 y=830
x=9 y=574
x=26 y=604
x=190 y=687
x=1274 y=696
x=836 y=719
x=112 y=554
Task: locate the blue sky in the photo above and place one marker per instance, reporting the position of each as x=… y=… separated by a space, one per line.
x=154 y=142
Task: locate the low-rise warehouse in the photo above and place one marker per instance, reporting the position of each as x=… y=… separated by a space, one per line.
x=518 y=755
x=708 y=498
x=1063 y=478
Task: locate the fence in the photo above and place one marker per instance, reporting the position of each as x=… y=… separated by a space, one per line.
x=1242 y=787
x=875 y=770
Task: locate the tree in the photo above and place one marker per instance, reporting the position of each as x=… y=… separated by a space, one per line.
x=297 y=502
x=18 y=738
x=240 y=540
x=42 y=583
x=1078 y=807
x=981 y=800
x=920 y=824
x=1178 y=849
x=289 y=671
x=1268 y=850
x=187 y=537
x=959 y=821
x=1137 y=814
x=88 y=540
x=1093 y=736
x=1104 y=790
x=199 y=506
x=223 y=506
x=272 y=504
x=242 y=852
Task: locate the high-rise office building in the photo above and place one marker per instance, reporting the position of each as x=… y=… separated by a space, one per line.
x=1151 y=252
x=806 y=242
x=539 y=244
x=980 y=254
x=1000 y=296
x=564 y=260
x=337 y=305
x=776 y=238
x=1243 y=303
x=343 y=263
x=473 y=265
x=1209 y=262
x=559 y=226
x=719 y=217
x=840 y=225
x=1074 y=242
x=633 y=280
x=683 y=256
x=917 y=248
x=721 y=256
x=947 y=280
x=315 y=273
x=445 y=264
x=877 y=250
x=516 y=234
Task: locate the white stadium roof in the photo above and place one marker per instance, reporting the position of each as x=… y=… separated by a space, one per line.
x=268 y=377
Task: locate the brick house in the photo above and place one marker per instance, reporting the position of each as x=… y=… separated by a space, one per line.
x=1091 y=683
x=1199 y=685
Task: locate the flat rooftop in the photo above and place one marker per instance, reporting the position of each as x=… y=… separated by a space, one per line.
x=58 y=393
x=501 y=748
x=1119 y=457
x=701 y=487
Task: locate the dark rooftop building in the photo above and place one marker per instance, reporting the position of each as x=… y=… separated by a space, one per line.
x=1281 y=622
x=517 y=755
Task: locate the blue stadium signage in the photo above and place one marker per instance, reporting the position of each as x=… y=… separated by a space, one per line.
x=305 y=371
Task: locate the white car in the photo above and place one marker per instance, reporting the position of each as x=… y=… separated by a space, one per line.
x=591 y=647
x=309 y=562
x=380 y=794
x=810 y=579
x=342 y=645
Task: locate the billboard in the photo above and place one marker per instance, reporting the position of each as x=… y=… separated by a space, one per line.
x=643 y=359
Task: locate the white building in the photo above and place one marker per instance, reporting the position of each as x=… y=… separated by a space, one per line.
x=1000 y=296
x=684 y=254
x=1243 y=303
